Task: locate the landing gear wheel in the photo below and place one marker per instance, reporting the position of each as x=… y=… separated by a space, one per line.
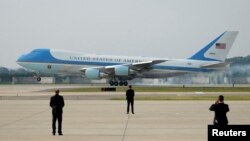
x=38 y=79
x=111 y=83
x=116 y=83
x=125 y=83
x=121 y=83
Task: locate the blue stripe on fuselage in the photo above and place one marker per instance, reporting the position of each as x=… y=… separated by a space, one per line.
x=38 y=55
x=44 y=56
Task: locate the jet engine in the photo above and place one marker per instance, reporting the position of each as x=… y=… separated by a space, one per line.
x=94 y=74
x=122 y=70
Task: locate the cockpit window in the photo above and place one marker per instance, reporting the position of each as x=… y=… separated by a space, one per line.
x=33 y=51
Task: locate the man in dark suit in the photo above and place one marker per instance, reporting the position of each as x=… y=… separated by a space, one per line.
x=57 y=104
x=130 y=99
x=220 y=109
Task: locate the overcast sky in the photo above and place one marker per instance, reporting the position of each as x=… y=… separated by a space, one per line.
x=153 y=28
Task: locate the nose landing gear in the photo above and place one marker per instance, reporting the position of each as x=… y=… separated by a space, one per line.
x=37 y=78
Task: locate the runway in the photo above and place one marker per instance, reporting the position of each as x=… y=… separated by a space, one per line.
x=106 y=120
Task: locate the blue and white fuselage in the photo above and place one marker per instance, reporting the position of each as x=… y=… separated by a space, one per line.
x=122 y=68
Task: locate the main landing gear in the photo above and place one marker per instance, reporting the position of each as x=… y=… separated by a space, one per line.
x=116 y=83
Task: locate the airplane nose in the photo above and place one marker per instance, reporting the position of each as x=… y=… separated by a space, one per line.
x=21 y=59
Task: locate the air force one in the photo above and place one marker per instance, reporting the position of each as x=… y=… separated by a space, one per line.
x=119 y=69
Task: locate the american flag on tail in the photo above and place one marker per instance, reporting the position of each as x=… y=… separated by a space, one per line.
x=220 y=46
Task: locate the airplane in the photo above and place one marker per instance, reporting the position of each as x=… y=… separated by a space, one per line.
x=120 y=69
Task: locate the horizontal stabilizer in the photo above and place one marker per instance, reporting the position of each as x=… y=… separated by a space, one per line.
x=218 y=65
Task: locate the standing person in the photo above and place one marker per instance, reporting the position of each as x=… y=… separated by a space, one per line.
x=220 y=109
x=57 y=104
x=130 y=99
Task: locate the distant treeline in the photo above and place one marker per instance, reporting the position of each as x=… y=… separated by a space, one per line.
x=239 y=60
x=6 y=75
x=240 y=66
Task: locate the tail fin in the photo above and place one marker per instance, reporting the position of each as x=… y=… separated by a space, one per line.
x=218 y=49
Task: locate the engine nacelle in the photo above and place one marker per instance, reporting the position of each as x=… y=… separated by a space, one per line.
x=95 y=74
x=92 y=74
x=122 y=70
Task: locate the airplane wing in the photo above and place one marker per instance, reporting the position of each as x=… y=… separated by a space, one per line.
x=137 y=67
x=145 y=65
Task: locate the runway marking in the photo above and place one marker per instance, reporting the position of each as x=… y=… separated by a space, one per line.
x=23 y=118
x=125 y=128
x=199 y=93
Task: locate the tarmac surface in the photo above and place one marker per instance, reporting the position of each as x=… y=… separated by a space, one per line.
x=27 y=119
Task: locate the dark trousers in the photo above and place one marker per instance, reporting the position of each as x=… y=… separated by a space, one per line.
x=57 y=117
x=132 y=105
